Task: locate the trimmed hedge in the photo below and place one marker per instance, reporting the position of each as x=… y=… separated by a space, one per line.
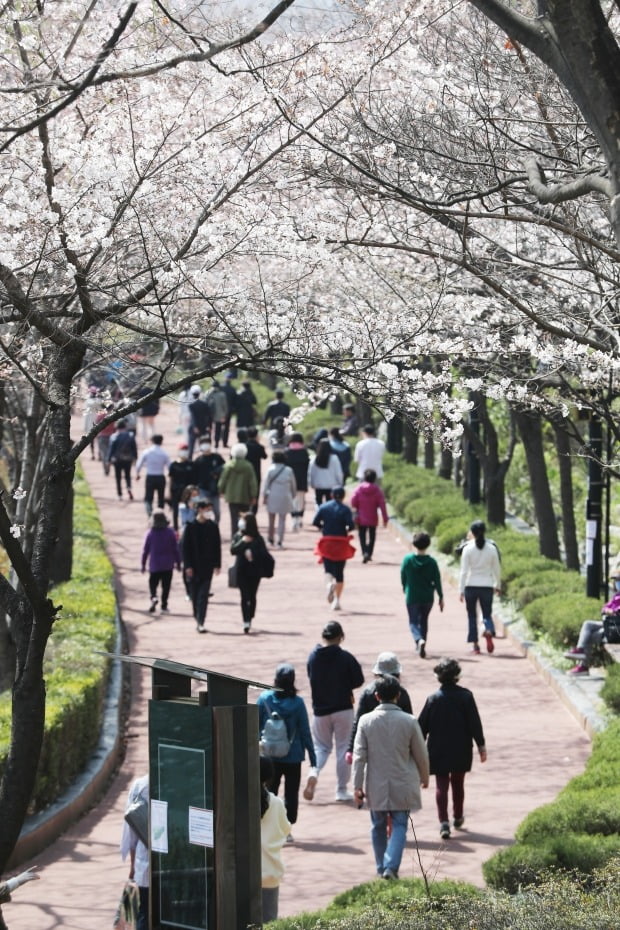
x=76 y=677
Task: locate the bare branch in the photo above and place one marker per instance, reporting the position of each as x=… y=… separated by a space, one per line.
x=559 y=193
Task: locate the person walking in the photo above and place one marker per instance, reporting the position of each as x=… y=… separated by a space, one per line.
x=420 y=579
x=334 y=674
x=324 y=472
x=335 y=520
x=279 y=489
x=479 y=577
x=283 y=700
x=387 y=664
x=217 y=402
x=276 y=409
x=199 y=418
x=390 y=766
x=296 y=457
x=238 y=484
x=122 y=453
x=274 y=829
x=207 y=468
x=350 y=424
x=231 y=397
x=248 y=546
x=161 y=549
x=342 y=450
x=367 y=501
x=450 y=723
x=202 y=558
x=92 y=405
x=369 y=453
x=256 y=451
x=246 y=405
x=104 y=437
x=137 y=850
x=180 y=475
x=156 y=463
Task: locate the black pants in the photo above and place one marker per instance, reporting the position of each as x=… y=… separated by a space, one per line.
x=367 y=547
x=200 y=595
x=248 y=588
x=120 y=469
x=154 y=484
x=321 y=495
x=291 y=772
x=166 y=580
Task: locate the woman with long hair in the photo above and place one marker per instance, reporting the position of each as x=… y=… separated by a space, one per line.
x=324 y=472
x=249 y=547
x=479 y=578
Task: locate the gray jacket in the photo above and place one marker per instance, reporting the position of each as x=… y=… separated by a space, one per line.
x=280 y=488
x=390 y=759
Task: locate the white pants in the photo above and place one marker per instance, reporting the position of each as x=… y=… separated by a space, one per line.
x=324 y=731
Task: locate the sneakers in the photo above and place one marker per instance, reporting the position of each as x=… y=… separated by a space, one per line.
x=200 y=629
x=475 y=651
x=129 y=494
x=489 y=639
x=422 y=648
x=165 y=610
x=310 y=786
x=246 y=626
x=343 y=795
x=290 y=838
x=365 y=558
x=331 y=591
x=575 y=653
x=579 y=669
x=444 y=830
x=336 y=604
x=389 y=875
x=458 y=822
x=153 y=605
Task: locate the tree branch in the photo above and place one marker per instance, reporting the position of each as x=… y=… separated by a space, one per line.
x=559 y=193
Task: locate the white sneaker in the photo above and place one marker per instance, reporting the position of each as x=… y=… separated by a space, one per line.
x=343 y=794
x=331 y=588
x=336 y=605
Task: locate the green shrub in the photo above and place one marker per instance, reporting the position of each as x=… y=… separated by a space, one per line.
x=566 y=815
x=561 y=615
x=518 y=564
x=610 y=692
x=76 y=676
x=524 y=588
x=449 y=534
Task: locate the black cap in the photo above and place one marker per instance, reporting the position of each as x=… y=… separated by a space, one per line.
x=338 y=493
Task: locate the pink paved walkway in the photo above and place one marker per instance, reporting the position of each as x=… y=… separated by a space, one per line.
x=534 y=745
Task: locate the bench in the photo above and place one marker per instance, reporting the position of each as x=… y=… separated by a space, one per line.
x=613 y=650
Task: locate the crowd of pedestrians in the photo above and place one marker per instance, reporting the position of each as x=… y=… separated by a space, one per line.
x=384 y=756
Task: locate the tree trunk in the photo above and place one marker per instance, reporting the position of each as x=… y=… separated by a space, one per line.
x=530 y=430
x=62 y=561
x=565 y=467
x=429 y=454
x=446 y=464
x=411 y=444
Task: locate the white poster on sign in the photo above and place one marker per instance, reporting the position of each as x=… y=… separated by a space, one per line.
x=201 y=827
x=159 y=826
x=591 y=526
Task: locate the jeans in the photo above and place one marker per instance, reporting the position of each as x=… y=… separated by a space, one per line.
x=484 y=596
x=332 y=728
x=388 y=852
x=418 y=620
x=166 y=580
x=367 y=547
x=154 y=484
x=291 y=772
x=200 y=588
x=442 y=784
x=270 y=904
x=591 y=634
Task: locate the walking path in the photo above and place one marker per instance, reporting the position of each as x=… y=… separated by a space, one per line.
x=535 y=745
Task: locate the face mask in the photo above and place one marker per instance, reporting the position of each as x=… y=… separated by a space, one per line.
x=194 y=500
x=205 y=448
x=183 y=456
x=617 y=585
x=241 y=525
x=209 y=515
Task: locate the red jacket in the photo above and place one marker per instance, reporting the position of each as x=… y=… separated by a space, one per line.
x=334 y=548
x=367 y=499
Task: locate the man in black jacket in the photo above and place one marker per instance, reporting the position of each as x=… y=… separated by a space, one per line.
x=202 y=558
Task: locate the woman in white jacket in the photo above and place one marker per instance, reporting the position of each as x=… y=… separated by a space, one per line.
x=324 y=472
x=480 y=577
x=279 y=490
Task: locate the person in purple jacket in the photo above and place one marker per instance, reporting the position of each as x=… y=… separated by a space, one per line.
x=162 y=551
x=368 y=501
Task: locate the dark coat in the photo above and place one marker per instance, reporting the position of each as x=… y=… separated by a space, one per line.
x=200 y=416
x=450 y=721
x=202 y=547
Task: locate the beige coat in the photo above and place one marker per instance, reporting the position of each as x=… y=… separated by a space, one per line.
x=390 y=759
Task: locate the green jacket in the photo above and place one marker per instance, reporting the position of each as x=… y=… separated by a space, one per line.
x=420 y=578
x=238 y=482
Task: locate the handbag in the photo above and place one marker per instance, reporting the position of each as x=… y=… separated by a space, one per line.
x=233 y=581
x=137 y=816
x=611 y=628
x=126 y=917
